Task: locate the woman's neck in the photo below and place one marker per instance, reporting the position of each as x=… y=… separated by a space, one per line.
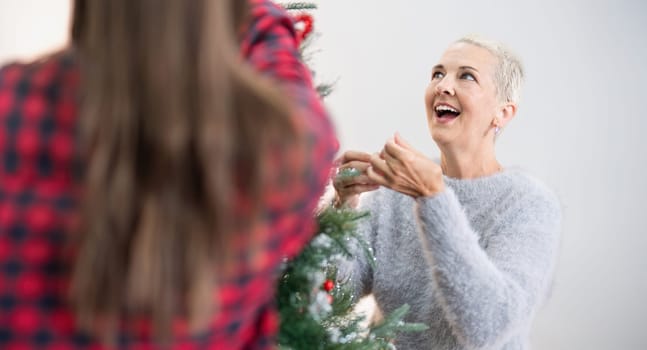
x=469 y=166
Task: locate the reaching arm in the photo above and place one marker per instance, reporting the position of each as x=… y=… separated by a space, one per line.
x=271 y=47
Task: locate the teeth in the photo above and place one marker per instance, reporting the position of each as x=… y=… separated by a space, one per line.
x=443 y=108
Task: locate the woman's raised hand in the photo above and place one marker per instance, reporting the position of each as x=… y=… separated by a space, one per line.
x=402 y=168
x=351 y=178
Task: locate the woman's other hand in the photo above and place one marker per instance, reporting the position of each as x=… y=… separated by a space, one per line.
x=351 y=179
x=402 y=168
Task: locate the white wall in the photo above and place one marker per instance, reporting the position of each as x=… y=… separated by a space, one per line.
x=579 y=127
x=28 y=27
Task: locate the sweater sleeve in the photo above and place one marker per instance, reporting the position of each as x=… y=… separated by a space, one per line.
x=357 y=270
x=487 y=292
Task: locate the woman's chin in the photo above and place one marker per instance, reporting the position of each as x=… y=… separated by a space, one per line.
x=440 y=137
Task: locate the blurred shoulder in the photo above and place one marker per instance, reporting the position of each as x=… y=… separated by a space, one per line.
x=64 y=58
x=40 y=75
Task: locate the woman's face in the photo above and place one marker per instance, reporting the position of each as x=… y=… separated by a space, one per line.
x=461 y=99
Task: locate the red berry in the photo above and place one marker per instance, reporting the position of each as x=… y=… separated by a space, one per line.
x=328 y=285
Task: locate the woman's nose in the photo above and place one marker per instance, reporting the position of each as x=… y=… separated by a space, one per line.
x=446 y=87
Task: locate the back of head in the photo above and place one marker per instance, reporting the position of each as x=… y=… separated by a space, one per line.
x=174 y=127
x=509 y=72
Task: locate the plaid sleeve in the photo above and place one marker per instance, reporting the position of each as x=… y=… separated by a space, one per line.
x=271 y=47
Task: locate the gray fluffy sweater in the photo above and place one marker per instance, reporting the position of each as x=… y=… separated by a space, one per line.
x=474 y=262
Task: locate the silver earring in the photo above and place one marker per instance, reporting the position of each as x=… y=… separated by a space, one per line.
x=496 y=130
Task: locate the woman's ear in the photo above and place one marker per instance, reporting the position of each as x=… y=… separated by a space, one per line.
x=507 y=111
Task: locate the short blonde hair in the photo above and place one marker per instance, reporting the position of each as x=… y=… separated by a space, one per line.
x=509 y=73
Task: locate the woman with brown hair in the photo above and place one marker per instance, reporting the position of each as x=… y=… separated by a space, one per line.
x=154 y=175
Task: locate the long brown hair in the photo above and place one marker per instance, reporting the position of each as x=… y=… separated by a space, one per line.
x=175 y=128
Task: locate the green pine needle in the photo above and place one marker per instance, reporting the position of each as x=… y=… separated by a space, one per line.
x=394 y=323
x=325 y=89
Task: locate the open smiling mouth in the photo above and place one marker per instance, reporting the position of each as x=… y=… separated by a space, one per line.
x=446 y=113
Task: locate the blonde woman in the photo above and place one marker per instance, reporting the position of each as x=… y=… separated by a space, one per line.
x=469 y=244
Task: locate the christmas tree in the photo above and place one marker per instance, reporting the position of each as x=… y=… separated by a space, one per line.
x=316 y=309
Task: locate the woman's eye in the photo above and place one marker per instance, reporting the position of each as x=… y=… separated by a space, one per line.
x=437 y=75
x=468 y=76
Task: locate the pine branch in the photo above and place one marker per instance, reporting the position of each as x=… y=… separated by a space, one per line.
x=307 y=322
x=394 y=323
x=324 y=89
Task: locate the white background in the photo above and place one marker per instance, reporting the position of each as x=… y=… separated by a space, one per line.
x=580 y=125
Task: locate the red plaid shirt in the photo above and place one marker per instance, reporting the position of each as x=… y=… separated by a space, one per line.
x=39 y=169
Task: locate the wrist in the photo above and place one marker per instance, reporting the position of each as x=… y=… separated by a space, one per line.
x=430 y=192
